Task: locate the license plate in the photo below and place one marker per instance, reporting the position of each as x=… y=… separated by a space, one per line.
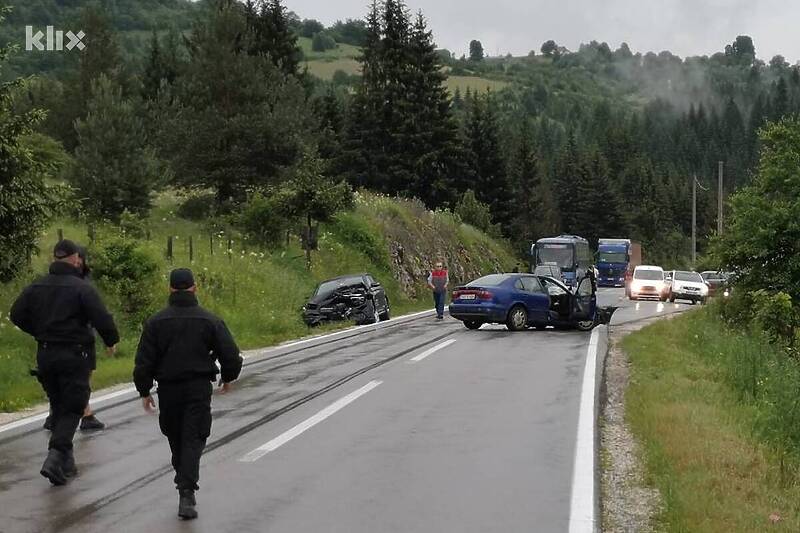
x=467 y=297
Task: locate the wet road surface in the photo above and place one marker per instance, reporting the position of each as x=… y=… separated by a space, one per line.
x=422 y=426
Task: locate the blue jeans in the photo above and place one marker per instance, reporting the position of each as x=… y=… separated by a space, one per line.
x=438 y=300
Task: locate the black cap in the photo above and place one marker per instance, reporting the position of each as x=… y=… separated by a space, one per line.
x=181 y=279
x=65 y=248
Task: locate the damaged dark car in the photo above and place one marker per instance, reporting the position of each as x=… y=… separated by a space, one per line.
x=357 y=297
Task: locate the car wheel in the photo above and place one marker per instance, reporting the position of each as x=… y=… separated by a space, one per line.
x=517 y=318
x=473 y=324
x=385 y=315
x=672 y=298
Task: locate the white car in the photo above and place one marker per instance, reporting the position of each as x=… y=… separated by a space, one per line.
x=648 y=282
x=688 y=286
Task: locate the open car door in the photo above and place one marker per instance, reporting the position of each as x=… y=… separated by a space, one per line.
x=584 y=304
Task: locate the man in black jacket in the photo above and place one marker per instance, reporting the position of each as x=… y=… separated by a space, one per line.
x=178 y=349
x=59 y=310
x=89 y=421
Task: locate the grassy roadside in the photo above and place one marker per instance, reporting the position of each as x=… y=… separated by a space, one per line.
x=259 y=292
x=704 y=442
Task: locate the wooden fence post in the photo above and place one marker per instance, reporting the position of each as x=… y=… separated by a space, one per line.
x=191 y=249
x=60 y=234
x=169 y=248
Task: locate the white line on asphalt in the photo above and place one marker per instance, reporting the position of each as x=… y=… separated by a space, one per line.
x=429 y=351
x=252 y=353
x=582 y=508
x=344 y=331
x=307 y=424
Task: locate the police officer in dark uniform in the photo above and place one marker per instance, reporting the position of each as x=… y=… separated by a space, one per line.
x=178 y=349
x=89 y=421
x=59 y=311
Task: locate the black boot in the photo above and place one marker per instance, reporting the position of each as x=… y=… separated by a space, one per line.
x=91 y=423
x=186 y=504
x=69 y=468
x=52 y=468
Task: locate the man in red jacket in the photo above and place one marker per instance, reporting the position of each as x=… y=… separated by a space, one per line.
x=437 y=281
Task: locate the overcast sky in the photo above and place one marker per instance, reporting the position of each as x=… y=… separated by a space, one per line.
x=685 y=27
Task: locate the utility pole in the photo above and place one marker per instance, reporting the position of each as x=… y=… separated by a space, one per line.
x=694 y=220
x=719 y=200
x=695 y=184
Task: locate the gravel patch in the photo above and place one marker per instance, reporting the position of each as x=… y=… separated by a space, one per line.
x=628 y=504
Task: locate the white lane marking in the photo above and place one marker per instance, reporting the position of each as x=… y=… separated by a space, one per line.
x=247 y=355
x=429 y=351
x=307 y=424
x=41 y=416
x=582 y=508
x=342 y=332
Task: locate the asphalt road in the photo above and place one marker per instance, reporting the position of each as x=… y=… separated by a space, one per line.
x=423 y=426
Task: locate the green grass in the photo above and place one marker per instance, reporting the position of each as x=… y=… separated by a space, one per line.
x=258 y=292
x=702 y=438
x=325 y=69
x=342 y=51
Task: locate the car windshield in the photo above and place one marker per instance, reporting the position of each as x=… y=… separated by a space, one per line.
x=612 y=257
x=715 y=276
x=492 y=280
x=688 y=276
x=649 y=274
x=327 y=287
x=560 y=255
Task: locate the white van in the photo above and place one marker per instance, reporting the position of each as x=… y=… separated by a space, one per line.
x=648 y=282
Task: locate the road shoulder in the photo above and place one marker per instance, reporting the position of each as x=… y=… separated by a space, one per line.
x=627 y=503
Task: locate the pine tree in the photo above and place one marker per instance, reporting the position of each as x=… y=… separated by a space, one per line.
x=272 y=35
x=491 y=181
x=101 y=55
x=331 y=125
x=163 y=65
x=115 y=170
x=431 y=131
x=533 y=206
x=401 y=136
x=241 y=120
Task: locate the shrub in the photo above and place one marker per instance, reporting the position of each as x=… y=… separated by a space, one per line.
x=476 y=214
x=263 y=218
x=132 y=225
x=774 y=315
x=122 y=268
x=354 y=232
x=322 y=42
x=737 y=310
x=198 y=207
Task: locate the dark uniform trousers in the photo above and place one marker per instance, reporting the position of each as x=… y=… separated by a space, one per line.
x=64 y=374
x=185 y=419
